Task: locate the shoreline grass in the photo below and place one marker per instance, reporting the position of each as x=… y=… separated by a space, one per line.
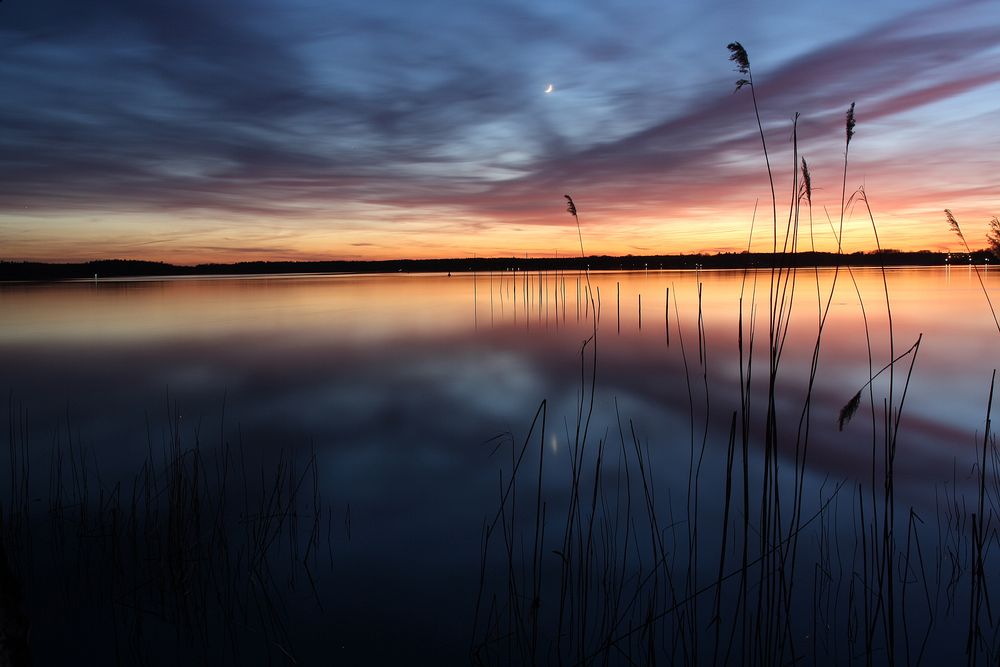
x=642 y=569
x=195 y=553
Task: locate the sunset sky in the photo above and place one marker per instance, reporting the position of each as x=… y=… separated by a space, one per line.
x=222 y=130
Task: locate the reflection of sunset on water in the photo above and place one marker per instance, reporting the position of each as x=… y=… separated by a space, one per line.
x=404 y=385
x=473 y=340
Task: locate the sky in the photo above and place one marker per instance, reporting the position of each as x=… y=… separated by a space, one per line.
x=195 y=131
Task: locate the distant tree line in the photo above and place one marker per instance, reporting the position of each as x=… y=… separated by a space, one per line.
x=122 y=268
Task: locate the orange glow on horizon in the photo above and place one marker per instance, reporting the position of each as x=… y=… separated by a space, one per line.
x=523 y=218
x=706 y=232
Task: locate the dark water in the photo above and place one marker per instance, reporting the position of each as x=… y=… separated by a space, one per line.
x=401 y=385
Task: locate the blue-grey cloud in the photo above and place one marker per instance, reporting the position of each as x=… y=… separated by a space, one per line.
x=295 y=109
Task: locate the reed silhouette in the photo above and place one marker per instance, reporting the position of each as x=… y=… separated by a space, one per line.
x=770 y=572
x=193 y=559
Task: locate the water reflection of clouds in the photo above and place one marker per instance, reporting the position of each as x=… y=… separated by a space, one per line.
x=357 y=358
x=484 y=380
x=436 y=396
x=400 y=408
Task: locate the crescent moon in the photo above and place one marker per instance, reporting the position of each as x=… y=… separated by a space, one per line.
x=549 y=89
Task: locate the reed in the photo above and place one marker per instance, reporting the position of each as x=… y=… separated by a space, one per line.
x=957 y=229
x=773 y=578
x=194 y=554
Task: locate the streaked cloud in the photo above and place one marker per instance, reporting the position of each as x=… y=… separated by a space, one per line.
x=189 y=131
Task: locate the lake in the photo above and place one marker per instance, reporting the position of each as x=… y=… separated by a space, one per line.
x=397 y=408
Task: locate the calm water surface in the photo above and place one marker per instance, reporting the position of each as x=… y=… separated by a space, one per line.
x=401 y=384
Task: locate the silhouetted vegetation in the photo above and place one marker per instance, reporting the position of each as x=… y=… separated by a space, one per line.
x=121 y=268
x=750 y=564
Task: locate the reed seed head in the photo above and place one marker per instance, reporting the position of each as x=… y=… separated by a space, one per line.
x=739 y=56
x=848 y=411
x=850 y=123
x=570 y=206
x=953 y=224
x=807 y=188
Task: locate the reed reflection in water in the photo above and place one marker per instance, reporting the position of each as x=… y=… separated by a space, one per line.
x=399 y=383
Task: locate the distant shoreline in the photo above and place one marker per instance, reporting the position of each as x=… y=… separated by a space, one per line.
x=117 y=268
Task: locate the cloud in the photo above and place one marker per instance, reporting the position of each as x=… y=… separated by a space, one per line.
x=387 y=115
